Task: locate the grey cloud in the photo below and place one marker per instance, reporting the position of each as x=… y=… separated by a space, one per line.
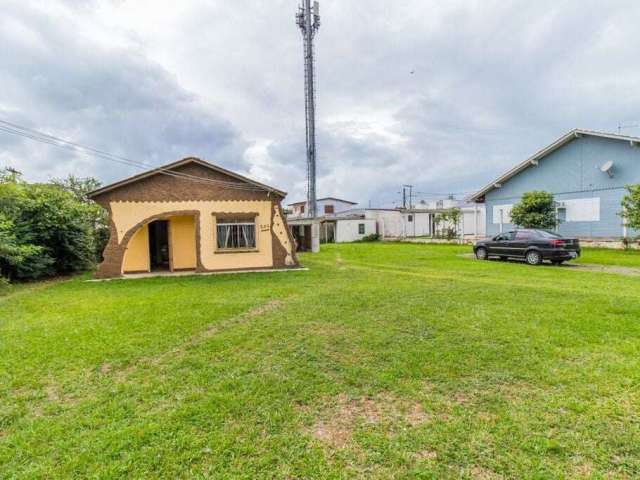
x=110 y=98
x=492 y=82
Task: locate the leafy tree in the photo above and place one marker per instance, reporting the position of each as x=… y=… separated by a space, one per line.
x=447 y=223
x=80 y=187
x=9 y=175
x=20 y=260
x=631 y=206
x=47 y=229
x=536 y=209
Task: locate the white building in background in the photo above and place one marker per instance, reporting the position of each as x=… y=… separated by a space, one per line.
x=472 y=224
x=341 y=222
x=395 y=223
x=324 y=206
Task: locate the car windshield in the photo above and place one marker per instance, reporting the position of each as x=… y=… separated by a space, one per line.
x=548 y=234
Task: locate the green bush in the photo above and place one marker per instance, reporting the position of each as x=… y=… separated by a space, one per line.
x=374 y=237
x=536 y=209
x=20 y=260
x=631 y=206
x=46 y=229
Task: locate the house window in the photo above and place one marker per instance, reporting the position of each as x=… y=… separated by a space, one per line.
x=328 y=209
x=301 y=208
x=582 y=210
x=361 y=228
x=410 y=218
x=502 y=214
x=236 y=234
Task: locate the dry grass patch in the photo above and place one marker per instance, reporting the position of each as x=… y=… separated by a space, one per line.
x=338 y=422
x=481 y=473
x=582 y=469
x=263 y=309
x=426 y=455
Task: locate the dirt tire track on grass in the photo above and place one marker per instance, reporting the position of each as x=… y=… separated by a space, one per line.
x=121 y=375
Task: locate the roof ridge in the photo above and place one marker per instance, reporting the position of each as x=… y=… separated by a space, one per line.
x=550 y=148
x=172 y=165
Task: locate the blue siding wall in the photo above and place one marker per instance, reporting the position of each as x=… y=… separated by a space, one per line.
x=573 y=172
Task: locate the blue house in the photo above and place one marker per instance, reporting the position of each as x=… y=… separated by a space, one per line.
x=585 y=171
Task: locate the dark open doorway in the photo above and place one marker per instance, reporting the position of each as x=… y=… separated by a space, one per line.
x=302 y=237
x=159 y=245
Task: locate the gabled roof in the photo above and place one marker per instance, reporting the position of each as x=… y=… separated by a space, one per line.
x=326 y=198
x=533 y=160
x=168 y=169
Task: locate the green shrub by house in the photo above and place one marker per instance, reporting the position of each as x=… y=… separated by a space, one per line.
x=631 y=206
x=536 y=209
x=46 y=229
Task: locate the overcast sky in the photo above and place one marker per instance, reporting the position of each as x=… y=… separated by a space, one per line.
x=441 y=95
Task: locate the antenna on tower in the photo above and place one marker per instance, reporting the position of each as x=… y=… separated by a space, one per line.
x=308 y=19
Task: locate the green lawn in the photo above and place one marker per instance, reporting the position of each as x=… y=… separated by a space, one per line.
x=381 y=361
x=606 y=256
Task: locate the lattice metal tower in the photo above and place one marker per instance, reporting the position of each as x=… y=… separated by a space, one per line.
x=308 y=20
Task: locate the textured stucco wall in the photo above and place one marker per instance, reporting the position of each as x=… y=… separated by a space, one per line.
x=136 y=256
x=126 y=215
x=183 y=242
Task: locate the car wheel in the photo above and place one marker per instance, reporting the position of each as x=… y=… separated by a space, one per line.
x=533 y=257
x=481 y=254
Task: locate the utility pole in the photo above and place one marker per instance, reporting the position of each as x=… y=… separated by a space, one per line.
x=628 y=125
x=308 y=20
x=404 y=196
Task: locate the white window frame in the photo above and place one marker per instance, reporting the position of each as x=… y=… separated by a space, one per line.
x=237 y=224
x=582 y=209
x=505 y=219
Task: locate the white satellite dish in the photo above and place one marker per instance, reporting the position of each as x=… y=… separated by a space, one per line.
x=606 y=168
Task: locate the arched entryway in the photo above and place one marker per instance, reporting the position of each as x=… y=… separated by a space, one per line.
x=163 y=243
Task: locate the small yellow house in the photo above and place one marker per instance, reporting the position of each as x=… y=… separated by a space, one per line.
x=193 y=216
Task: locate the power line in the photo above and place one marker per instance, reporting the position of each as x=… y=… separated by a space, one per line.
x=19 y=130
x=90 y=151
x=441 y=194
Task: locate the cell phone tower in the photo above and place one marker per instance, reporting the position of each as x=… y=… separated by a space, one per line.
x=308 y=20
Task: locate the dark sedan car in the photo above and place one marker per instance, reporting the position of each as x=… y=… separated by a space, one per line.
x=534 y=246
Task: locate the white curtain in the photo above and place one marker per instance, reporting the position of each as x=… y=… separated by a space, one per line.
x=248 y=235
x=236 y=235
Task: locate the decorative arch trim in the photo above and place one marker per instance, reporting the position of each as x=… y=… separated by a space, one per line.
x=114 y=253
